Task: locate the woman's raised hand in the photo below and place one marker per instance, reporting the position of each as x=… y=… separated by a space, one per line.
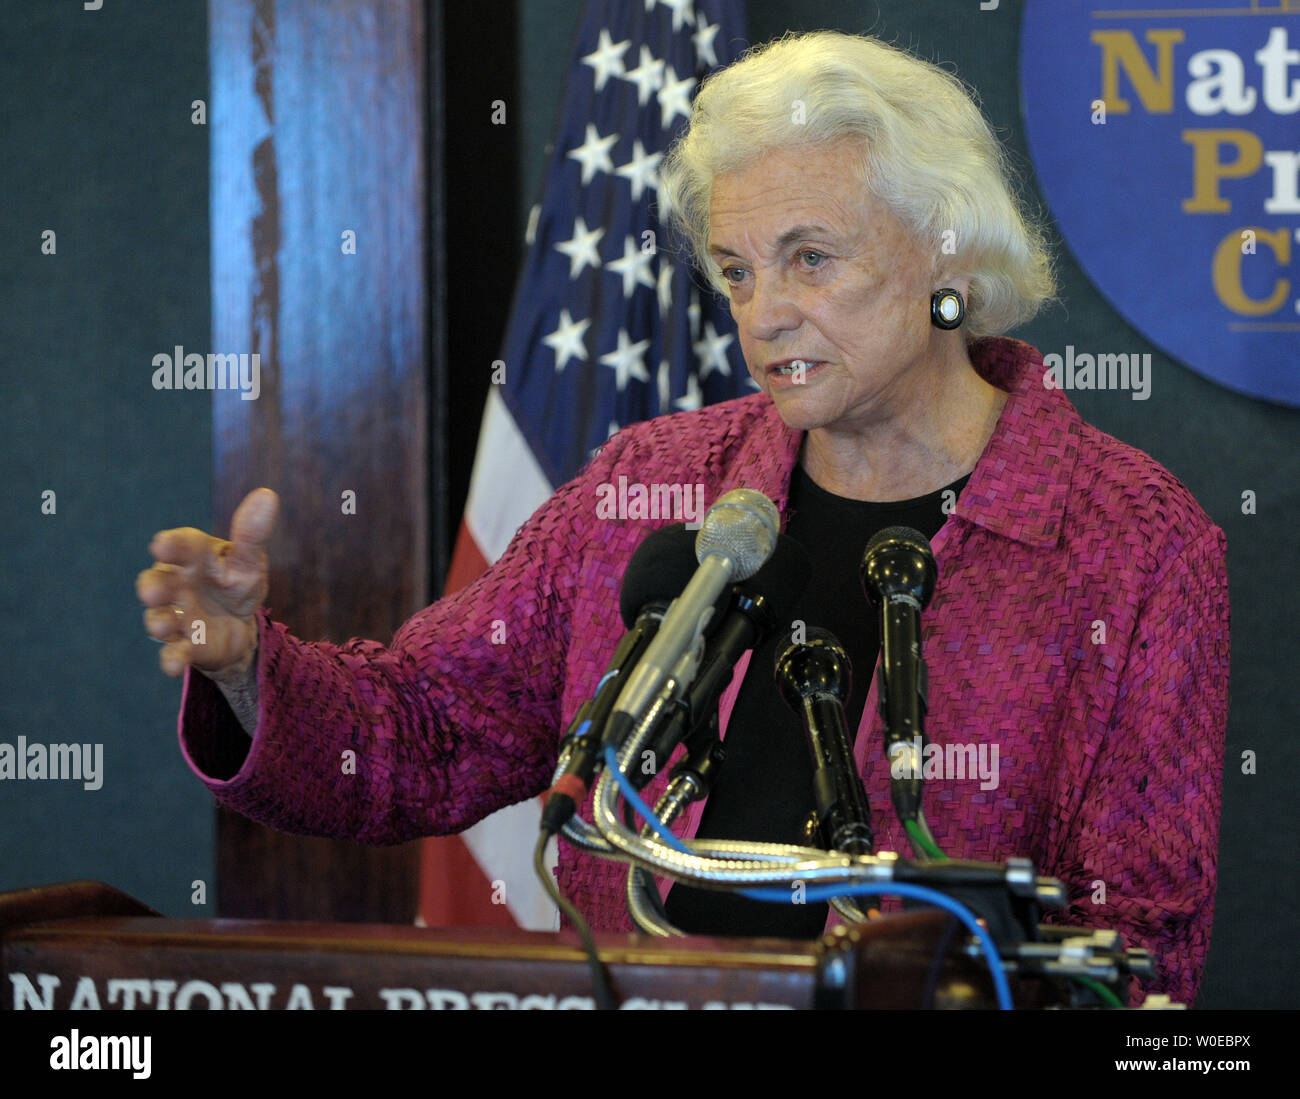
x=203 y=594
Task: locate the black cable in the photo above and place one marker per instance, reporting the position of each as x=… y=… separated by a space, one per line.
x=606 y=1000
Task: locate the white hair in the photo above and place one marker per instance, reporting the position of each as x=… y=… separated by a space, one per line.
x=926 y=152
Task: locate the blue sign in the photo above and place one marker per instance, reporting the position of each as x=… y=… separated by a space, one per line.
x=1166 y=137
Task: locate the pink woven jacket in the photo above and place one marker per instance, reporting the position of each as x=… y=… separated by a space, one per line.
x=1080 y=624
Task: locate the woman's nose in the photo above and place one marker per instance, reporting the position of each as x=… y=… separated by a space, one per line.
x=771 y=309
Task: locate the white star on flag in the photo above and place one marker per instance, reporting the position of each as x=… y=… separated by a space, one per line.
x=674 y=98
x=627 y=360
x=566 y=341
x=712 y=349
x=703 y=37
x=634 y=267
x=642 y=169
x=692 y=399
x=593 y=153
x=693 y=315
x=581 y=247
x=648 y=76
x=607 y=59
x=682 y=13
x=665 y=289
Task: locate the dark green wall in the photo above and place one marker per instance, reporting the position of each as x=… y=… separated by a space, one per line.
x=96 y=143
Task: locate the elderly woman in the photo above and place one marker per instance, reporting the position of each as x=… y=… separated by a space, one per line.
x=852 y=204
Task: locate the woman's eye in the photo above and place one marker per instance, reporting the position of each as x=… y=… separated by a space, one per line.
x=733 y=274
x=812 y=259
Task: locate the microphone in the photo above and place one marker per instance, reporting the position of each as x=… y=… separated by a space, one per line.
x=663 y=563
x=898 y=576
x=814 y=677
x=738 y=534
x=756 y=608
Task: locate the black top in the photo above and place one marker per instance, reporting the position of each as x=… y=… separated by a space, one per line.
x=764 y=789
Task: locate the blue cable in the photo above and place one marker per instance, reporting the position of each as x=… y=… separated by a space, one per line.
x=819 y=893
x=635 y=799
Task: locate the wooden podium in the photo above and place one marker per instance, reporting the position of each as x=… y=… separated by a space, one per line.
x=84 y=945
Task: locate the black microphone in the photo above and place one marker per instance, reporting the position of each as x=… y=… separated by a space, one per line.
x=758 y=606
x=736 y=538
x=662 y=565
x=814 y=677
x=898 y=576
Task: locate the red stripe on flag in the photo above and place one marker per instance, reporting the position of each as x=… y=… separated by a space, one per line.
x=467 y=562
x=454 y=891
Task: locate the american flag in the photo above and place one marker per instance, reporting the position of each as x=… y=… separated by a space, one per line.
x=608 y=328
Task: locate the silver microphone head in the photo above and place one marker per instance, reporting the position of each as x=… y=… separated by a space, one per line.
x=742 y=526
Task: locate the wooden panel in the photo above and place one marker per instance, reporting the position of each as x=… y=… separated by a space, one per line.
x=68 y=900
x=274 y=964
x=897 y=962
x=317 y=120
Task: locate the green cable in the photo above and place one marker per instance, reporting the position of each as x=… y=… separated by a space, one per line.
x=1103 y=993
x=922 y=841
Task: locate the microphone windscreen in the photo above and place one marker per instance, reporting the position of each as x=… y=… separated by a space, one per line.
x=782 y=580
x=741 y=526
x=907 y=536
x=899 y=563
x=661 y=567
x=817 y=663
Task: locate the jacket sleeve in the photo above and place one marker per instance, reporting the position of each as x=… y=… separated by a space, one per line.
x=1146 y=850
x=457 y=718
